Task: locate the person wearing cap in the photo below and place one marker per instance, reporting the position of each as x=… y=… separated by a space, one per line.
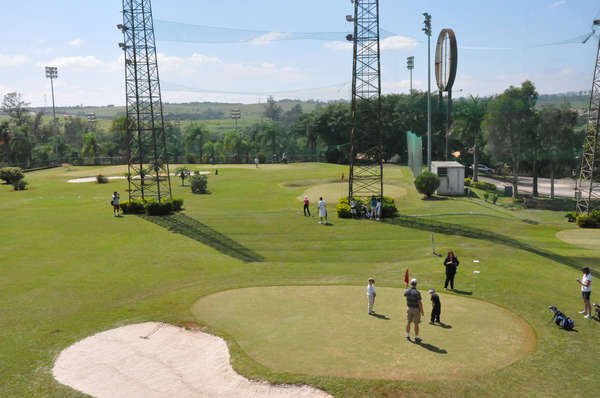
x=414 y=310
x=437 y=307
x=371 y=295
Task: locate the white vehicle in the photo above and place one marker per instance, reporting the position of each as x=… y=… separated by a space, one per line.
x=484 y=168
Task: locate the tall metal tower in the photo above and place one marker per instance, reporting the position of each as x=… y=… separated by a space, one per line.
x=585 y=184
x=147 y=148
x=366 y=148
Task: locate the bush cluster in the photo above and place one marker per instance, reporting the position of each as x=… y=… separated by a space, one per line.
x=151 y=207
x=100 y=179
x=11 y=174
x=262 y=158
x=589 y=221
x=571 y=216
x=191 y=158
x=20 y=185
x=486 y=186
x=468 y=182
x=199 y=183
x=426 y=183
x=388 y=207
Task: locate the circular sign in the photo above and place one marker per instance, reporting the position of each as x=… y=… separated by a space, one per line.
x=446 y=55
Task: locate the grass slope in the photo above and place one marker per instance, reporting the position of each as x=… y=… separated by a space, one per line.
x=69 y=269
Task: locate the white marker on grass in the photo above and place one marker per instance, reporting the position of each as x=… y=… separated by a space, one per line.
x=476 y=272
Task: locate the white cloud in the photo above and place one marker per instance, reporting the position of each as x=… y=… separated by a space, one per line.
x=267 y=38
x=557 y=3
x=338 y=45
x=397 y=42
x=13 y=60
x=78 y=63
x=76 y=42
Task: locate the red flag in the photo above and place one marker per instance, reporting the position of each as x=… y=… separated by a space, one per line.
x=406 y=276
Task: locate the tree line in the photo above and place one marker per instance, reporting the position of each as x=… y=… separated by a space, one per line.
x=507 y=131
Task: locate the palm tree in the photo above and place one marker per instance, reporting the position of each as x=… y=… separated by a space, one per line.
x=469 y=115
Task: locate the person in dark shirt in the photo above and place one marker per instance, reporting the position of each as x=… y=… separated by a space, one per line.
x=451 y=263
x=436 y=307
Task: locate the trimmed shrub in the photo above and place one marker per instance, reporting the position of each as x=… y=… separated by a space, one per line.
x=388 y=207
x=486 y=196
x=133 y=206
x=100 y=179
x=262 y=158
x=11 y=174
x=177 y=204
x=494 y=198
x=343 y=210
x=486 y=186
x=154 y=208
x=199 y=184
x=571 y=216
x=20 y=185
x=589 y=221
x=426 y=183
x=468 y=182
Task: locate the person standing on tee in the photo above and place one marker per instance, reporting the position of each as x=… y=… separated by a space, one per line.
x=353 y=208
x=437 y=307
x=378 y=210
x=451 y=263
x=371 y=295
x=414 y=310
x=115 y=203
x=322 y=211
x=306 y=209
x=586 y=291
x=256 y=161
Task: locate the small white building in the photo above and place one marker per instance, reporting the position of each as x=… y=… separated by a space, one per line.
x=452 y=178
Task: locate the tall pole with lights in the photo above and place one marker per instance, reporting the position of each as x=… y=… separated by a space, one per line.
x=52 y=73
x=427 y=30
x=410 y=65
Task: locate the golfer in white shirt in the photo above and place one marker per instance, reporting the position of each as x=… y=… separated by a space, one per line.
x=371 y=295
x=322 y=211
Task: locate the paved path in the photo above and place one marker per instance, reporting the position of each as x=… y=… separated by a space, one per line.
x=563 y=187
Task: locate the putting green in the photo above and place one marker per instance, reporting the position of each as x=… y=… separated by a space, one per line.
x=334 y=191
x=582 y=237
x=325 y=330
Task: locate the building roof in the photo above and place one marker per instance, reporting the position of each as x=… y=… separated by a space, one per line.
x=446 y=164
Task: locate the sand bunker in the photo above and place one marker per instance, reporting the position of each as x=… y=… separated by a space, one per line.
x=334 y=191
x=171 y=362
x=582 y=237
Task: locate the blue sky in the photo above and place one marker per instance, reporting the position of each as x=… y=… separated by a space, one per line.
x=500 y=43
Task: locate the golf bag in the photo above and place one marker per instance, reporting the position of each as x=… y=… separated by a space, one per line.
x=563 y=321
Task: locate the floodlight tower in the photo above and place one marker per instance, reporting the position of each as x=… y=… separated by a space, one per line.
x=148 y=164
x=366 y=149
x=427 y=30
x=410 y=65
x=52 y=73
x=589 y=160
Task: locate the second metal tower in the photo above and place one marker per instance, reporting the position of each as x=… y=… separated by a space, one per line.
x=585 y=184
x=366 y=149
x=148 y=175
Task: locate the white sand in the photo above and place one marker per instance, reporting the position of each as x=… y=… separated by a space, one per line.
x=93 y=179
x=171 y=362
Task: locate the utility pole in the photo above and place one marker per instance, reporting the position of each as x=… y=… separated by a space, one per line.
x=410 y=65
x=427 y=30
x=52 y=73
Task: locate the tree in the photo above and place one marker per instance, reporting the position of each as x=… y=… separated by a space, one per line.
x=90 y=146
x=468 y=118
x=292 y=116
x=16 y=108
x=427 y=182
x=20 y=146
x=507 y=124
x=194 y=137
x=235 y=143
x=559 y=140
x=183 y=173
x=5 y=141
x=175 y=147
x=272 y=110
x=75 y=129
x=270 y=133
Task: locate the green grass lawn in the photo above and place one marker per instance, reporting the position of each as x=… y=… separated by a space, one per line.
x=69 y=269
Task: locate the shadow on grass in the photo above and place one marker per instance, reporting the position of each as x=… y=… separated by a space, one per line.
x=443 y=325
x=194 y=229
x=381 y=316
x=432 y=348
x=463 y=292
x=477 y=233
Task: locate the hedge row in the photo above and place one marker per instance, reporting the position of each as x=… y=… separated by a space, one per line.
x=151 y=207
x=589 y=221
x=486 y=186
x=388 y=208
